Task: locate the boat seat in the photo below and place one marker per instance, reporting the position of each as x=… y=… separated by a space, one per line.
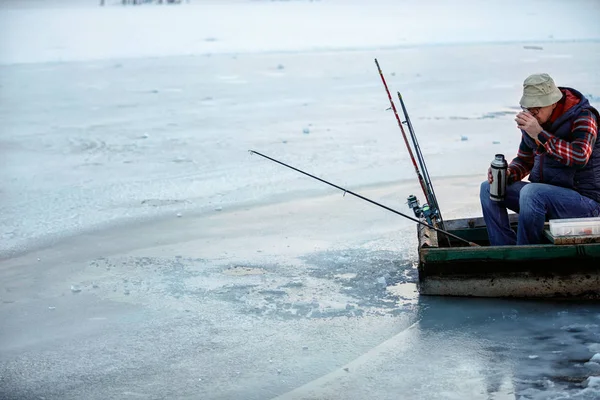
x=583 y=239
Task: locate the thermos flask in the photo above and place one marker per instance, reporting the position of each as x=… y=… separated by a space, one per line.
x=498 y=185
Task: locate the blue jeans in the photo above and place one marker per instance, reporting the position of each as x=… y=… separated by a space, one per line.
x=535 y=203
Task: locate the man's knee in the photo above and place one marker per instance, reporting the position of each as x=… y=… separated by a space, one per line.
x=484 y=195
x=484 y=190
x=532 y=194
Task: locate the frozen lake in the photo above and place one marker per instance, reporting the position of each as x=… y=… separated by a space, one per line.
x=158 y=106
x=145 y=252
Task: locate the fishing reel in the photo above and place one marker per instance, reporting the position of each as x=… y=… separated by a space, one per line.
x=413 y=203
x=421 y=212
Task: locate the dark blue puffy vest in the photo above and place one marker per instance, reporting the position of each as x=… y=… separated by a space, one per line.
x=545 y=169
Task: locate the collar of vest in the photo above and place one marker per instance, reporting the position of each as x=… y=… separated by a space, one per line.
x=570 y=105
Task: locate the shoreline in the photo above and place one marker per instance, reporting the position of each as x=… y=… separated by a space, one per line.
x=294 y=26
x=306 y=52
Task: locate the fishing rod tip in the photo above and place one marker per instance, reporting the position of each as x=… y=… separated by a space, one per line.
x=251 y=151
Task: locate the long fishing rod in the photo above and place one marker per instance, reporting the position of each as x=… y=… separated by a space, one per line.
x=431 y=198
x=412 y=157
x=365 y=199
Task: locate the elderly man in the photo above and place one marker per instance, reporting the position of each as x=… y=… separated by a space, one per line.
x=560 y=152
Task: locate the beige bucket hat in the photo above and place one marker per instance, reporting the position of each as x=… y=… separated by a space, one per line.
x=539 y=90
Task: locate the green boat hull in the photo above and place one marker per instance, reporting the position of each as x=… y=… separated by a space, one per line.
x=448 y=268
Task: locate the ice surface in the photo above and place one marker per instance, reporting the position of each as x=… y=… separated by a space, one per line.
x=87 y=33
x=75 y=289
x=142 y=127
x=117 y=114
x=593 y=382
x=92 y=143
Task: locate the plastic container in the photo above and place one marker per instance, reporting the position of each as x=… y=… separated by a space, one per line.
x=575 y=226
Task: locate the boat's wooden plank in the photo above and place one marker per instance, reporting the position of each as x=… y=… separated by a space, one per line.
x=470 y=223
x=478 y=234
x=533 y=269
x=509 y=253
x=427 y=236
x=555 y=277
x=565 y=240
x=575 y=286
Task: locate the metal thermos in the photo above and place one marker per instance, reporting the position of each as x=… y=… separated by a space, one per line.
x=498 y=186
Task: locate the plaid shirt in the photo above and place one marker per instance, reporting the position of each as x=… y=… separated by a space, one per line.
x=573 y=153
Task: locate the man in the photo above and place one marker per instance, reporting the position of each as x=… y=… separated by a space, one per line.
x=560 y=152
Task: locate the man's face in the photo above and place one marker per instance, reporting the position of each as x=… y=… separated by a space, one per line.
x=542 y=114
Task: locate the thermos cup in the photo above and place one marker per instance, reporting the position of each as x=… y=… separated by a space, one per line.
x=498 y=186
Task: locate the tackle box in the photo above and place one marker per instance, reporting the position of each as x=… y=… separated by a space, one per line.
x=575 y=226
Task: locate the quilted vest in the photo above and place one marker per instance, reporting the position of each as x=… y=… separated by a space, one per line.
x=545 y=169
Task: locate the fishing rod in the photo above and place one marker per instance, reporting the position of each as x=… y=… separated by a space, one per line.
x=365 y=199
x=431 y=198
x=430 y=210
x=412 y=157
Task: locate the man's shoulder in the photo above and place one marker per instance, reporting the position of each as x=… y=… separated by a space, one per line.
x=590 y=112
x=587 y=115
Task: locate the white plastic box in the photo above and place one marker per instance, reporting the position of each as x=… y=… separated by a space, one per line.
x=575 y=226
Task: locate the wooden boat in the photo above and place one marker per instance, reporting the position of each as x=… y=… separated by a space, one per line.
x=562 y=267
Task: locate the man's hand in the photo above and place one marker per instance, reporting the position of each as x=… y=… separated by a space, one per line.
x=529 y=124
x=491 y=178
